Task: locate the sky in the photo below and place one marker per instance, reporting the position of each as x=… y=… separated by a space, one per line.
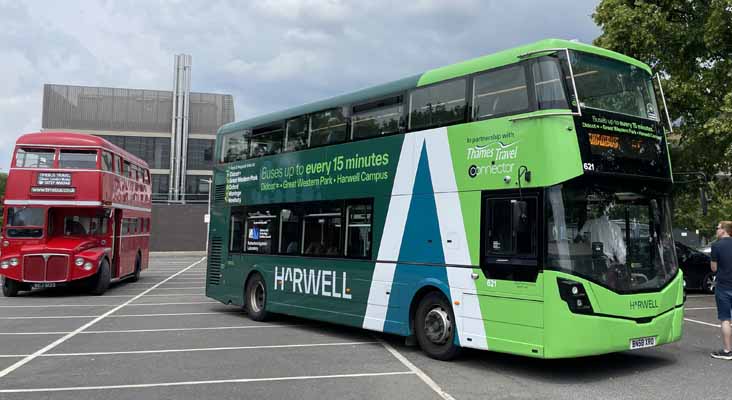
x=268 y=54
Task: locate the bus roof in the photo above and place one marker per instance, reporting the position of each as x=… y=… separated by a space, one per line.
x=490 y=61
x=73 y=139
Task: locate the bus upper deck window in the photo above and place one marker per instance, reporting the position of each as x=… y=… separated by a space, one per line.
x=500 y=92
x=78 y=159
x=34 y=158
x=437 y=105
x=235 y=147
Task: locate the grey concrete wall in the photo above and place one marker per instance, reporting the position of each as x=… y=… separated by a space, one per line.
x=178 y=227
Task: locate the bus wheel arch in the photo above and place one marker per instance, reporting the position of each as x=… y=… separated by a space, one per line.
x=255 y=296
x=432 y=321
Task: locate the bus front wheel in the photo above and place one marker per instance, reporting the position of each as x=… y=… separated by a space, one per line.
x=100 y=282
x=10 y=287
x=435 y=328
x=255 y=298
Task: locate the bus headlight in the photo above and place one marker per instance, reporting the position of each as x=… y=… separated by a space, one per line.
x=4 y=264
x=79 y=262
x=574 y=294
x=88 y=266
x=14 y=262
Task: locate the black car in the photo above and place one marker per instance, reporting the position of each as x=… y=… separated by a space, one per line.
x=696 y=267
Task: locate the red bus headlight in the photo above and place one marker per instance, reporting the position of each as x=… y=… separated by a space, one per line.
x=79 y=262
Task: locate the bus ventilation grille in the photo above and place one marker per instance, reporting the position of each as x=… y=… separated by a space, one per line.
x=214 y=261
x=220 y=194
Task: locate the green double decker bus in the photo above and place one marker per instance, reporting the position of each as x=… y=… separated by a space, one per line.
x=517 y=202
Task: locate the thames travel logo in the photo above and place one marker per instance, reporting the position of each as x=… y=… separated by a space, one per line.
x=501 y=155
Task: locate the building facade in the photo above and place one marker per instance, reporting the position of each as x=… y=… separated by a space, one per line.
x=174 y=131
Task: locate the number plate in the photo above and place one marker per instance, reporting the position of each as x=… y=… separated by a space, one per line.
x=643 y=342
x=43 y=285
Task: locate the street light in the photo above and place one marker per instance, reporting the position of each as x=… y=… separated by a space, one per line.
x=208 y=212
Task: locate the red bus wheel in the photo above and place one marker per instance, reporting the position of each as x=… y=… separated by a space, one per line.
x=138 y=268
x=10 y=287
x=100 y=282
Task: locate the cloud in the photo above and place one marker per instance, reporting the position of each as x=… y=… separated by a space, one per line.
x=269 y=54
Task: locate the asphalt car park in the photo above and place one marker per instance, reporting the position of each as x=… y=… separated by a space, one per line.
x=162 y=338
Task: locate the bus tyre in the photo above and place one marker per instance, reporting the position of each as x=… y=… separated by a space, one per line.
x=434 y=326
x=138 y=267
x=100 y=282
x=10 y=287
x=255 y=298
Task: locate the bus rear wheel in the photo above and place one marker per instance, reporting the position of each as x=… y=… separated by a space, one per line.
x=138 y=268
x=11 y=287
x=100 y=282
x=435 y=328
x=255 y=298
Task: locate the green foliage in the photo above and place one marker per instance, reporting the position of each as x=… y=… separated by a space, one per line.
x=3 y=180
x=689 y=42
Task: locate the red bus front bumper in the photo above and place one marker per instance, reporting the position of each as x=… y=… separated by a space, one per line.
x=44 y=268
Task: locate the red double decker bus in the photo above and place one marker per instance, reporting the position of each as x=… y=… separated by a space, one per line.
x=77 y=209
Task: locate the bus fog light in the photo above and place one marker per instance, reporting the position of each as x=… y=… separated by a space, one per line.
x=575 y=295
x=79 y=262
x=14 y=262
x=575 y=290
x=88 y=266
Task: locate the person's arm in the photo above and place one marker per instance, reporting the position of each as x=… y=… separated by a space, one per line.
x=714 y=266
x=715 y=256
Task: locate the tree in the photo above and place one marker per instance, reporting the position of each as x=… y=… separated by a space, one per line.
x=689 y=43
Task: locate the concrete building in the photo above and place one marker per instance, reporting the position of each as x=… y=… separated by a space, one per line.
x=174 y=131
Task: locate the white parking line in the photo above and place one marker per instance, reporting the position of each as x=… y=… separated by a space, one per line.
x=163 y=295
x=42 y=351
x=423 y=376
x=191 y=350
x=700 y=308
x=208 y=328
x=112 y=305
x=110 y=316
x=702 y=322
x=210 y=382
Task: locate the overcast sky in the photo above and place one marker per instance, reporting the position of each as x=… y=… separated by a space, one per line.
x=269 y=54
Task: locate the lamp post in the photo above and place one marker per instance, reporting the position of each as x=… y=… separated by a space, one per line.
x=208 y=212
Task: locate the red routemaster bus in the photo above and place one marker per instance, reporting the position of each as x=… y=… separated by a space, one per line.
x=77 y=209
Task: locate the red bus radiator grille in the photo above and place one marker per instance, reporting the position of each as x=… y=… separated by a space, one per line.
x=38 y=269
x=57 y=268
x=34 y=268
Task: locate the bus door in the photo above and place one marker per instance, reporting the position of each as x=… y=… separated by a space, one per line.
x=116 y=243
x=512 y=293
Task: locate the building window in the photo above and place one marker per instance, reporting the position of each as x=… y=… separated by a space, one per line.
x=200 y=154
x=160 y=186
x=154 y=150
x=197 y=187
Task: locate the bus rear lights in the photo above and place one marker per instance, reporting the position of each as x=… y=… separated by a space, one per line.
x=574 y=294
x=88 y=266
x=79 y=262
